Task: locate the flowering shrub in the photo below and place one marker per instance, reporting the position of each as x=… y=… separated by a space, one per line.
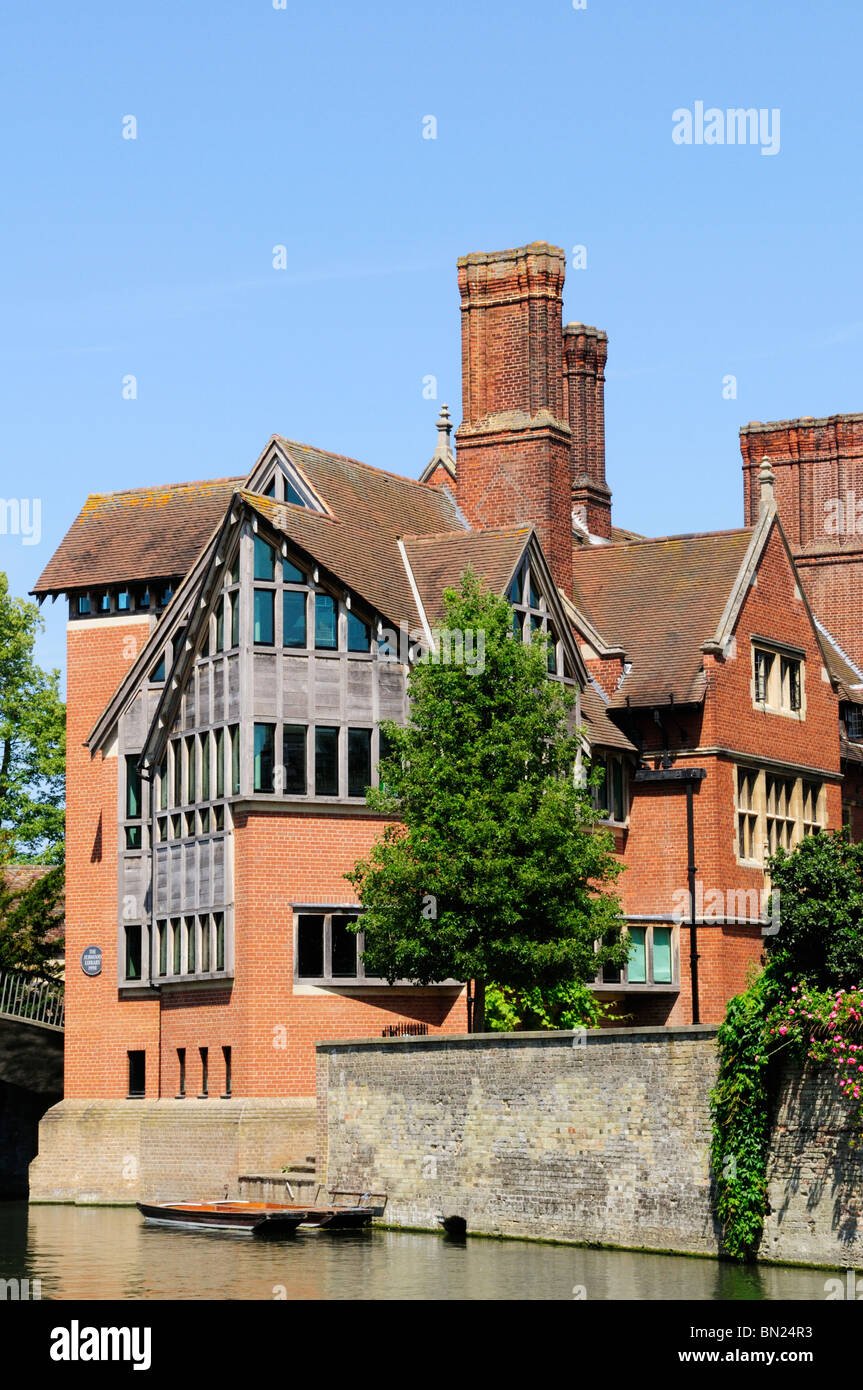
x=823 y=1026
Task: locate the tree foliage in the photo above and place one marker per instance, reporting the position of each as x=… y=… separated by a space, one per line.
x=495 y=869
x=32 y=740
x=29 y=914
x=820 y=937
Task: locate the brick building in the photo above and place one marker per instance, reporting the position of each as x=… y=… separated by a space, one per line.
x=234 y=643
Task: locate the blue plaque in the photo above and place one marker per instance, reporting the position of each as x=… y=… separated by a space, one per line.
x=91 y=960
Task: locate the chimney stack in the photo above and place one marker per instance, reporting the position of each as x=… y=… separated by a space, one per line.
x=514 y=444
x=585 y=350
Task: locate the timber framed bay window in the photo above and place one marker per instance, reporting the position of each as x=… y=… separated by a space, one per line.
x=653 y=959
x=333 y=760
x=288 y=600
x=189 y=947
x=530 y=614
x=774 y=810
x=778 y=679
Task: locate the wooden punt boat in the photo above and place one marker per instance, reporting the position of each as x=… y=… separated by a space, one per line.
x=269 y=1220
x=266 y=1219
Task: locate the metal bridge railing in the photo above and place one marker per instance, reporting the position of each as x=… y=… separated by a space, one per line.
x=27 y=997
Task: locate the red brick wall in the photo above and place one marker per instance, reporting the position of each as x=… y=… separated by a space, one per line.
x=97 y=1035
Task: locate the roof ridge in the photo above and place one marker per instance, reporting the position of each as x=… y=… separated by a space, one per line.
x=461 y=533
x=661 y=540
x=167 y=487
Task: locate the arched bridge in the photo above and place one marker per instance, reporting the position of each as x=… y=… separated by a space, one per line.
x=32 y=1016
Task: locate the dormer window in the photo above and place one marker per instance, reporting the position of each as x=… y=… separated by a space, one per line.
x=852 y=718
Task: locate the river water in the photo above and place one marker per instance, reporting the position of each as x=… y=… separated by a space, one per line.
x=111 y=1253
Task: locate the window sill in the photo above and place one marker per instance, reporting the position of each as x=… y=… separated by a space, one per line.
x=624 y=987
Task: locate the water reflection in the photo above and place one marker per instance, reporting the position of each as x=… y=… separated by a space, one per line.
x=108 y=1253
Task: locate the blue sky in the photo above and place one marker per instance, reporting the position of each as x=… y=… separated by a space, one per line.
x=302 y=127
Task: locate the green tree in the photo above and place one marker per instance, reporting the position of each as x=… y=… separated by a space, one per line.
x=32 y=740
x=495 y=870
x=820 y=937
x=29 y=914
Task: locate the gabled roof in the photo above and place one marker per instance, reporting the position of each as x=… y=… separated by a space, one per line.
x=438 y=562
x=142 y=533
x=661 y=600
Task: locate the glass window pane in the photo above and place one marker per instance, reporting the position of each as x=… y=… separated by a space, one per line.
x=157 y=675
x=359 y=634
x=205 y=767
x=177 y=951
x=617 y=788
x=265 y=560
x=133 y=789
x=264 y=609
x=191 y=944
x=265 y=739
x=235 y=761
x=291 y=494
x=637 y=966
x=326 y=623
x=219 y=924
x=163 y=948
x=310 y=947
x=294 y=759
x=220 y=627
x=294 y=618
x=662 y=955
x=205 y=945
x=235 y=619
x=326 y=762
x=220 y=762
x=344 y=948
x=291 y=575
x=359 y=761
x=133 y=953
x=191 y=770
x=83 y=603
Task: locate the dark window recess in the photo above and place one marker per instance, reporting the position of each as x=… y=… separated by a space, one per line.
x=163 y=948
x=181 y=1070
x=235 y=619
x=294 y=759
x=137 y=1074
x=191 y=953
x=220 y=626
x=344 y=948
x=235 y=569
x=105 y=603
x=133 y=837
x=226 y=1056
x=235 y=760
x=133 y=953
x=310 y=947
x=265 y=560
x=294 y=618
x=291 y=575
x=144 y=600
x=133 y=789
x=177 y=953
x=219 y=924
x=852 y=716
x=263 y=617
x=359 y=761
x=205 y=1068
x=265 y=738
x=205 y=945
x=326 y=623
x=326 y=762
x=271 y=490
x=83 y=603
x=359 y=634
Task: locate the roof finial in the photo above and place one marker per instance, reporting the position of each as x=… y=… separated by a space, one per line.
x=766 y=479
x=443 y=455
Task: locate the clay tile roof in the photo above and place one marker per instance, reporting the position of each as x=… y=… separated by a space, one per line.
x=144 y=533
x=601 y=729
x=438 y=562
x=660 y=600
x=841 y=667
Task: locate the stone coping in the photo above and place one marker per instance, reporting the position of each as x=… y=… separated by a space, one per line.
x=564 y=1037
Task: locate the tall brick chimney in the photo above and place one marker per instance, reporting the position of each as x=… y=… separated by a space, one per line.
x=818 y=468
x=513 y=446
x=585 y=350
